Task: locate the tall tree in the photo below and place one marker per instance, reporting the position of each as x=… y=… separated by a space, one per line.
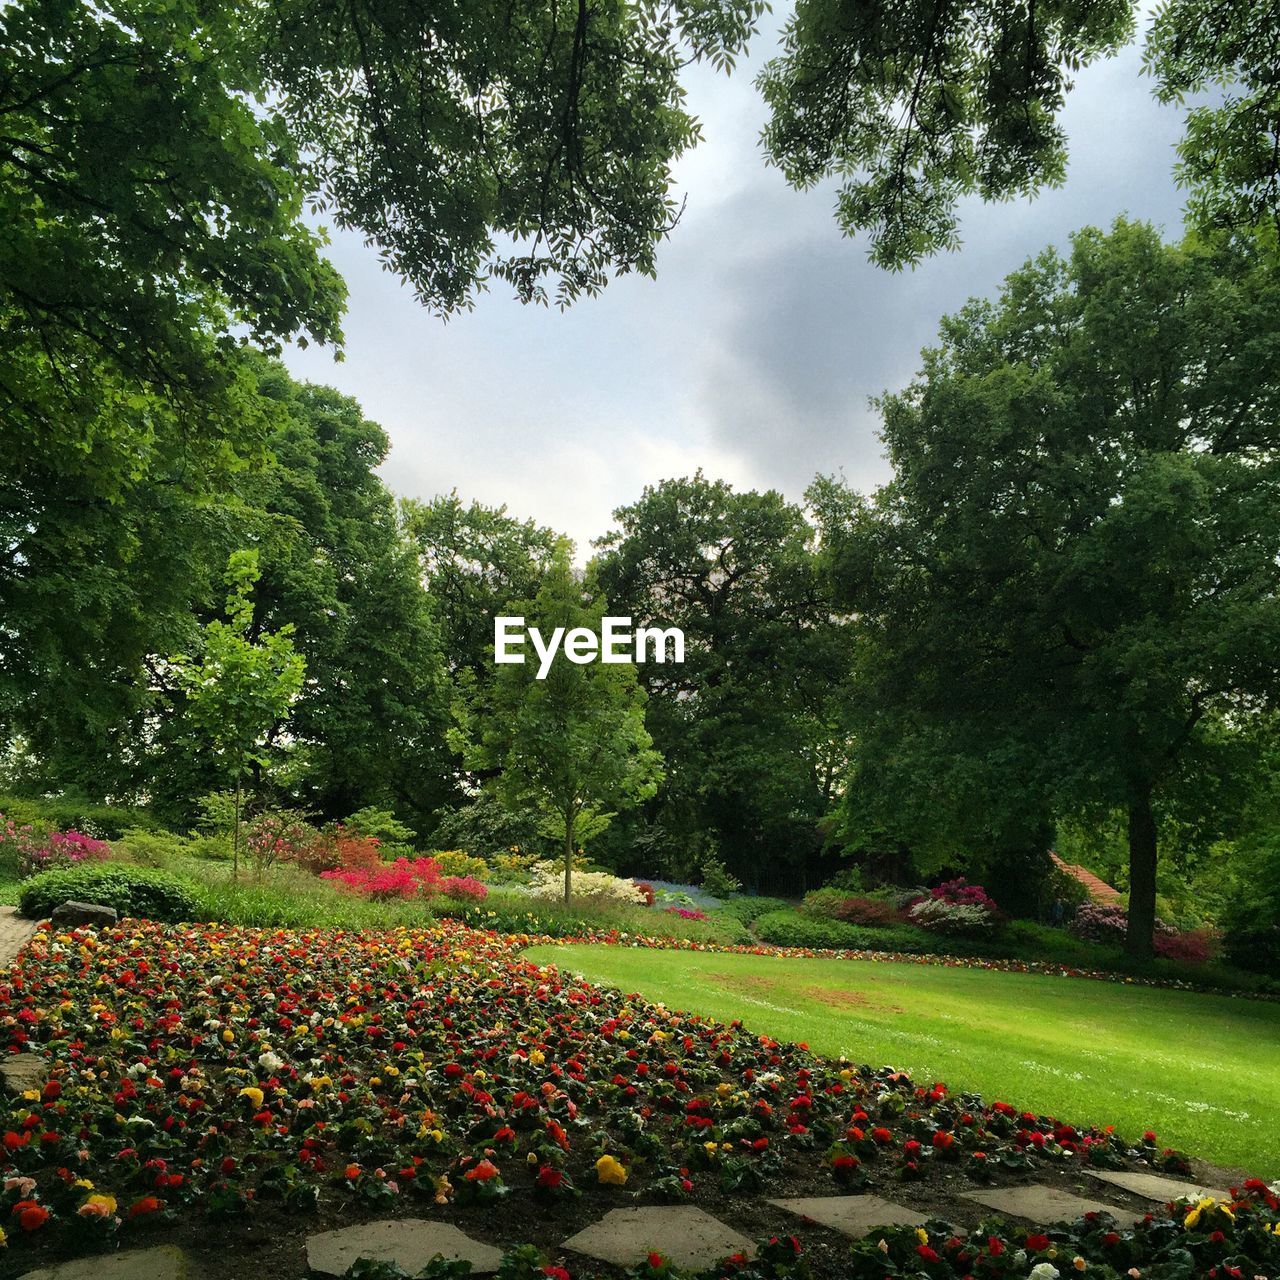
x=241 y=686
x=749 y=723
x=572 y=745
x=1070 y=587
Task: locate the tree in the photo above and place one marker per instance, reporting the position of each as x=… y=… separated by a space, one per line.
x=476 y=562
x=749 y=723
x=242 y=685
x=914 y=104
x=1068 y=594
x=572 y=745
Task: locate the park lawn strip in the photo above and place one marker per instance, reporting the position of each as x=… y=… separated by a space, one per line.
x=1203 y=1071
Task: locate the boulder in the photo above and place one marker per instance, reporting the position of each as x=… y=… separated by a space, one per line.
x=77 y=913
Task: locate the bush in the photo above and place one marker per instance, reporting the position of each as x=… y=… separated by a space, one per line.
x=405 y=878
x=962 y=919
x=748 y=910
x=66 y=813
x=133 y=891
x=717 y=880
x=836 y=904
x=152 y=848
x=788 y=928
x=548 y=883
x=453 y=862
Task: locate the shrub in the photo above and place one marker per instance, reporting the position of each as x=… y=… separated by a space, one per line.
x=1098 y=923
x=1111 y=923
x=1191 y=946
x=646 y=892
x=453 y=862
x=143 y=892
x=836 y=904
x=282 y=835
x=717 y=879
x=69 y=812
x=151 y=848
x=406 y=878
x=395 y=837
x=686 y=913
x=963 y=919
x=54 y=849
x=788 y=928
x=548 y=882
x=746 y=909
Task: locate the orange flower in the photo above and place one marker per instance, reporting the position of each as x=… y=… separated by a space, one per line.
x=482 y=1172
x=148 y=1204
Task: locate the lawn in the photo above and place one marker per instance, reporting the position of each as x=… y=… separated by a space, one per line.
x=1202 y=1070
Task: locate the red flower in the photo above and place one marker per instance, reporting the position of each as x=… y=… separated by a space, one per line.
x=481 y=1172
x=148 y=1204
x=926 y=1253
x=1037 y=1243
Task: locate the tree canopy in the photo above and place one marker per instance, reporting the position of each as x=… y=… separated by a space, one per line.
x=1068 y=593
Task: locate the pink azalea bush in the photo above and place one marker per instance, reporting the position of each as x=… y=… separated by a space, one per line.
x=407 y=878
x=34 y=852
x=956 y=907
x=1097 y=923
x=687 y=913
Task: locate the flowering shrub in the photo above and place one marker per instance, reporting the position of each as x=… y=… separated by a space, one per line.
x=453 y=862
x=206 y=1069
x=875 y=912
x=55 y=850
x=283 y=836
x=687 y=913
x=646 y=891
x=1110 y=924
x=960 y=918
x=548 y=882
x=956 y=907
x=407 y=878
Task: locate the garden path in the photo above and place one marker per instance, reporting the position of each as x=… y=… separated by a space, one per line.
x=14 y=932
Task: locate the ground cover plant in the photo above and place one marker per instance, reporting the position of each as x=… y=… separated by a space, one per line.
x=1201 y=1068
x=208 y=1070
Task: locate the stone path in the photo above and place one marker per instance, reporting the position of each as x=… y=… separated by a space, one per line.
x=687 y=1235
x=164 y=1262
x=14 y=932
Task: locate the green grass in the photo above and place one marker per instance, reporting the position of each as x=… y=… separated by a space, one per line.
x=1202 y=1070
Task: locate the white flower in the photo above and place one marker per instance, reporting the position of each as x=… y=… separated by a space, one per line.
x=1044 y=1271
x=270 y=1061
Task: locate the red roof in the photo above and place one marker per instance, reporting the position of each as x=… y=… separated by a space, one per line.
x=1099 y=890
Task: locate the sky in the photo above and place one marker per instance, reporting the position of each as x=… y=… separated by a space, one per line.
x=755 y=352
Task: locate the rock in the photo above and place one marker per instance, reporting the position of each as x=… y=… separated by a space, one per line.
x=1041 y=1205
x=79 y=913
x=23 y=1071
x=409 y=1242
x=164 y=1262
x=853 y=1215
x=1151 y=1186
x=683 y=1233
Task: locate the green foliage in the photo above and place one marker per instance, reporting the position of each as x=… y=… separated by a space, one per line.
x=241 y=688
x=149 y=848
x=573 y=746
x=916 y=105
x=486 y=828
x=1067 y=595
x=76 y=813
x=788 y=928
x=751 y=723
x=748 y=909
x=394 y=837
x=716 y=879
x=143 y=892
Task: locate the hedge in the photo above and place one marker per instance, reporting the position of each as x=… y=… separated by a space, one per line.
x=143 y=892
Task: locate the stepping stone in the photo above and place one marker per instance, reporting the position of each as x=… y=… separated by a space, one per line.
x=854 y=1215
x=22 y=1071
x=409 y=1242
x=1153 y=1187
x=164 y=1262
x=1041 y=1205
x=683 y=1233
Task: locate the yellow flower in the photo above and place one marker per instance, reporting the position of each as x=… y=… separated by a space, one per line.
x=922 y=1235
x=537 y=1058
x=228 y=1036
x=254 y=1095
x=610 y=1172
x=3 y=1238
x=98 y=1206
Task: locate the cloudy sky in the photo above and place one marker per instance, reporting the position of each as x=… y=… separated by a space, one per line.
x=754 y=353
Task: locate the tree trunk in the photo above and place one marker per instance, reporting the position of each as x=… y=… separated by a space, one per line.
x=235 y=841
x=1142 y=878
x=568 y=855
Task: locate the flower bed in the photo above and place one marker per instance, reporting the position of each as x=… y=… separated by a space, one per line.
x=202 y=1069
